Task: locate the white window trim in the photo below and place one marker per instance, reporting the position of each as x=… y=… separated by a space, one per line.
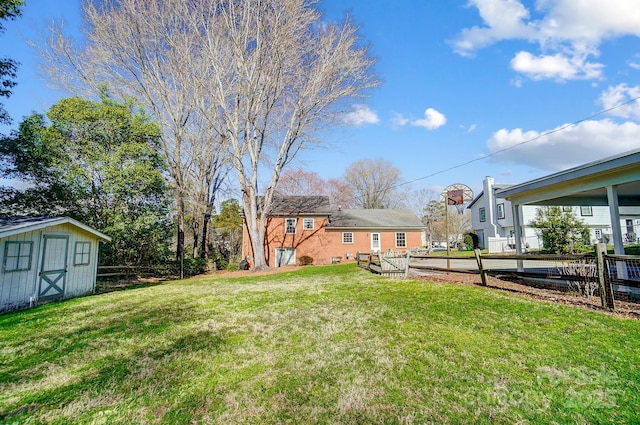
x=82 y=254
x=501 y=212
x=482 y=212
x=306 y=221
x=286 y=226
x=352 y=238
x=405 y=239
x=16 y=259
x=586 y=211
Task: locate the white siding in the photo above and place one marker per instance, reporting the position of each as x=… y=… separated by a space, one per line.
x=20 y=288
x=17 y=287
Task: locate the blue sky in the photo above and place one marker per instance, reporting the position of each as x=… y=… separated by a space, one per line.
x=461 y=81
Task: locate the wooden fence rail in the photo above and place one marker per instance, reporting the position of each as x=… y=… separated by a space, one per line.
x=588 y=273
x=124 y=271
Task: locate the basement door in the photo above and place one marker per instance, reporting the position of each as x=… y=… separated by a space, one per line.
x=285 y=257
x=53 y=268
x=375 y=242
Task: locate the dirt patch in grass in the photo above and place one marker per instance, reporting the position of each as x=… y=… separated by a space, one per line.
x=623 y=308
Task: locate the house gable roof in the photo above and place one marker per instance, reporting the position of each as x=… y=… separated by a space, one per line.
x=11 y=225
x=299 y=205
x=496 y=187
x=374 y=219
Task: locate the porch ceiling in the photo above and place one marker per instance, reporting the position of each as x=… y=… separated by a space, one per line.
x=583 y=185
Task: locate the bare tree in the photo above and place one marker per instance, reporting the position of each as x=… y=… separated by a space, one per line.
x=434 y=220
x=374 y=183
x=418 y=200
x=148 y=50
x=459 y=223
x=300 y=183
x=278 y=74
x=340 y=194
x=267 y=75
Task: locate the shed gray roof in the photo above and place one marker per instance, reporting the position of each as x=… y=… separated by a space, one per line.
x=300 y=205
x=374 y=219
x=11 y=225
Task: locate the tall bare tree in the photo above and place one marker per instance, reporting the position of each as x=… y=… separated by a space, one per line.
x=374 y=183
x=148 y=50
x=299 y=182
x=278 y=75
x=268 y=75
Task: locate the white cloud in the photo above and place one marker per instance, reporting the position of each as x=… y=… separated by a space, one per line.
x=568 y=33
x=557 y=67
x=399 y=120
x=615 y=97
x=431 y=121
x=361 y=114
x=566 y=148
x=504 y=19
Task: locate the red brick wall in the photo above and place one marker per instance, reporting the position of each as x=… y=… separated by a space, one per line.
x=321 y=244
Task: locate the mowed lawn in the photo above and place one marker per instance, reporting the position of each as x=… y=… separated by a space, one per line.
x=328 y=345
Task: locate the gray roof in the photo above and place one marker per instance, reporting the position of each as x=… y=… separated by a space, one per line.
x=12 y=225
x=300 y=205
x=374 y=219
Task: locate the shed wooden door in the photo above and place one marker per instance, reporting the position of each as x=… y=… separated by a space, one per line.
x=53 y=268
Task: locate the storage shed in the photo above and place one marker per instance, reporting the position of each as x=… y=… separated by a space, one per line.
x=46 y=258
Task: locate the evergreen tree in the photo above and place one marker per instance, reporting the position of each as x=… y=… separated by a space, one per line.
x=561 y=231
x=97 y=162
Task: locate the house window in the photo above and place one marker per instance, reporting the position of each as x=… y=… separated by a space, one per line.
x=586 y=210
x=483 y=215
x=82 y=254
x=17 y=256
x=401 y=240
x=500 y=211
x=598 y=233
x=308 y=224
x=290 y=225
x=347 y=237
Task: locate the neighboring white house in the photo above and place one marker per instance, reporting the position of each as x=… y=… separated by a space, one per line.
x=46 y=258
x=492 y=221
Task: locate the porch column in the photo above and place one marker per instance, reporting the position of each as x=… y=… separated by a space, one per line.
x=517 y=229
x=614 y=213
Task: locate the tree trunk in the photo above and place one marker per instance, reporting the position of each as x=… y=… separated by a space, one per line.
x=180 y=233
x=204 y=241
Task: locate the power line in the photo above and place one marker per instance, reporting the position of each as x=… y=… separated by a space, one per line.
x=557 y=130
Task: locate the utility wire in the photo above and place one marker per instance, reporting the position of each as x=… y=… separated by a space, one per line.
x=557 y=130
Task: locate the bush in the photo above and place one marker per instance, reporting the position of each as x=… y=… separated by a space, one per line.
x=233 y=267
x=305 y=260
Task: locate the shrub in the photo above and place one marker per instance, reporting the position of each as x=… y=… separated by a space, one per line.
x=305 y=260
x=233 y=267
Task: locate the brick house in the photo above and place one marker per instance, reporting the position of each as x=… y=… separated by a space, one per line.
x=303 y=229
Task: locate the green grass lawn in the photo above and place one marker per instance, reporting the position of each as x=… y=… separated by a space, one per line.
x=329 y=345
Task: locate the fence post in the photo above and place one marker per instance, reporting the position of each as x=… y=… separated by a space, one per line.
x=606 y=290
x=406 y=267
x=483 y=276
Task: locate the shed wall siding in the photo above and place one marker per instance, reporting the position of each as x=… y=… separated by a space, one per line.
x=18 y=288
